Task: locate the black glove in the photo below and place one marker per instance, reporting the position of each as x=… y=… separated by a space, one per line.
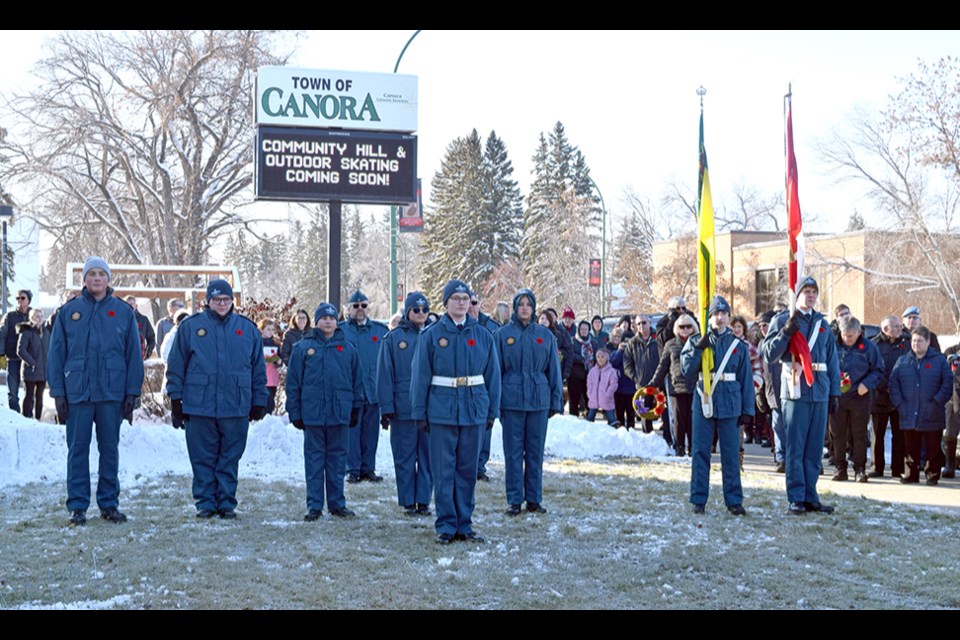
x=299 y=424
x=793 y=325
x=745 y=420
x=553 y=412
x=257 y=413
x=177 y=413
x=704 y=341
x=423 y=425
x=385 y=419
x=127 y=410
x=489 y=425
x=62 y=412
x=354 y=417
x=834 y=405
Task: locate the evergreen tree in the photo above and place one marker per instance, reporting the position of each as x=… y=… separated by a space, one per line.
x=561 y=224
x=503 y=207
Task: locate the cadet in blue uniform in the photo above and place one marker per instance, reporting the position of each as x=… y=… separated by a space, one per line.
x=731 y=403
x=365 y=334
x=455 y=392
x=860 y=359
x=532 y=393
x=805 y=408
x=411 y=447
x=95 y=373
x=217 y=383
x=492 y=326
x=324 y=394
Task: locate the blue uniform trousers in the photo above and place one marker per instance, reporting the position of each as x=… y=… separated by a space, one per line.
x=13 y=383
x=779 y=437
x=484 y=451
x=411 y=460
x=215 y=446
x=524 y=437
x=362 y=441
x=454 y=453
x=702 y=441
x=80 y=419
x=805 y=424
x=324 y=453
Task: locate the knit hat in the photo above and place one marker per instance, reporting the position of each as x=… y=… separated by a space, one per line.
x=718 y=304
x=95 y=262
x=324 y=309
x=525 y=293
x=807 y=282
x=454 y=286
x=568 y=312
x=218 y=288
x=415 y=299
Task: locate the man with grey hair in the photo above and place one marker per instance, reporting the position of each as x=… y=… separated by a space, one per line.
x=165 y=325
x=861 y=372
x=892 y=343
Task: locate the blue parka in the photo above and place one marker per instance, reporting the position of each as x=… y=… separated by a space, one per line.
x=443 y=350
x=862 y=362
x=529 y=366
x=366 y=338
x=216 y=366
x=731 y=398
x=95 y=351
x=393 y=370
x=487 y=322
x=776 y=346
x=324 y=379
x=920 y=389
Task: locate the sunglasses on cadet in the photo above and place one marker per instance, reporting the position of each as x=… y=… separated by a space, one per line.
x=474 y=302
x=359 y=305
x=21 y=297
x=420 y=309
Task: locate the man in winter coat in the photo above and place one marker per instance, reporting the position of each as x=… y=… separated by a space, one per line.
x=532 y=392
x=8 y=338
x=771 y=389
x=492 y=326
x=952 y=414
x=640 y=359
x=217 y=384
x=730 y=403
x=891 y=343
x=365 y=334
x=33 y=344
x=921 y=383
x=455 y=393
x=861 y=372
x=95 y=374
x=912 y=319
x=411 y=446
x=166 y=324
x=805 y=408
x=148 y=338
x=325 y=393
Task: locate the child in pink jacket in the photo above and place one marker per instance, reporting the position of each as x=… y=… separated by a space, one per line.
x=601 y=385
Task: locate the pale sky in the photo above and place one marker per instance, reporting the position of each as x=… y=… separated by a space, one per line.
x=627 y=98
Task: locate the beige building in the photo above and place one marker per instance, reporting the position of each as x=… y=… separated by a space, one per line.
x=872 y=272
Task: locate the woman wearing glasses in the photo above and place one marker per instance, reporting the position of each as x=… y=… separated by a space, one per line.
x=681 y=391
x=411 y=447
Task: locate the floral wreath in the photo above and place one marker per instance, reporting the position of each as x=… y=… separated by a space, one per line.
x=639 y=406
x=845 y=383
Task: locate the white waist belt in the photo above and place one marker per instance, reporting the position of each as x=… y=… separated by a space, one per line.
x=462 y=381
x=818 y=366
x=728 y=377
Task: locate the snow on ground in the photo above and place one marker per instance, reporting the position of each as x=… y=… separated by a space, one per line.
x=37 y=452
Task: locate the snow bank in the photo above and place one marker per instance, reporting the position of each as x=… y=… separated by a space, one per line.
x=37 y=452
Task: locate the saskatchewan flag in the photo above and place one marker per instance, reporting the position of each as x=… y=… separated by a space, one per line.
x=706 y=263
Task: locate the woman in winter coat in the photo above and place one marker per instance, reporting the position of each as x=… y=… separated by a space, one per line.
x=532 y=392
x=602 y=382
x=681 y=391
x=271 y=357
x=584 y=358
x=298 y=328
x=564 y=343
x=626 y=387
x=920 y=386
x=32 y=345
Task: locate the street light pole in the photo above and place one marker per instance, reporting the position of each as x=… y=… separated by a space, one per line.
x=603 y=252
x=394 y=211
x=6 y=214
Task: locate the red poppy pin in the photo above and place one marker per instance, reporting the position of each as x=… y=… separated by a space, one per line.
x=239 y=332
x=734 y=350
x=339 y=347
x=861 y=346
x=375 y=338
x=822 y=329
x=539 y=340
x=471 y=342
x=111 y=313
x=928 y=365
